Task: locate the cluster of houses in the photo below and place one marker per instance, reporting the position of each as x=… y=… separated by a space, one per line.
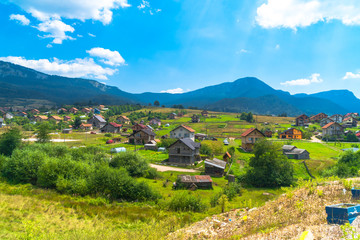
x=332 y=126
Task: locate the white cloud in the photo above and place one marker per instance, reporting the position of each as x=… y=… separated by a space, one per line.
x=173 y=91
x=20 y=18
x=51 y=14
x=75 y=68
x=91 y=35
x=277 y=47
x=242 y=51
x=112 y=58
x=56 y=29
x=143 y=4
x=146 y=5
x=350 y=75
x=314 y=78
x=302 y=13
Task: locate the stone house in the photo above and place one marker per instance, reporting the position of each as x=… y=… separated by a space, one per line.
x=137 y=127
x=172 y=115
x=338 y=118
x=292 y=152
x=249 y=137
x=332 y=129
x=325 y=121
x=111 y=127
x=141 y=137
x=123 y=120
x=184 y=152
x=204 y=113
x=155 y=121
x=73 y=110
x=318 y=117
x=97 y=121
x=302 y=120
x=195 y=181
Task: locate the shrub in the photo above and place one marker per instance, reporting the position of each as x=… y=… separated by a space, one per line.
x=152 y=173
x=9 y=141
x=167 y=142
x=206 y=150
x=232 y=190
x=185 y=201
x=132 y=162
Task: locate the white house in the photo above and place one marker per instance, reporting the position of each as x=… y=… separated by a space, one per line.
x=183 y=131
x=9 y=116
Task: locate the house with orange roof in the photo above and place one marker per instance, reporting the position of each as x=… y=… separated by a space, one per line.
x=332 y=129
x=123 y=120
x=73 y=110
x=35 y=111
x=56 y=118
x=86 y=126
x=183 y=131
x=249 y=137
x=40 y=118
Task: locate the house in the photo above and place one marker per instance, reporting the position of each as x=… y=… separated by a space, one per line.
x=200 y=136
x=86 y=126
x=249 y=137
x=268 y=133
x=86 y=110
x=338 y=118
x=61 y=110
x=183 y=131
x=155 y=121
x=354 y=115
x=21 y=114
x=288 y=148
x=195 y=181
x=302 y=120
x=101 y=107
x=40 y=118
x=226 y=157
x=97 y=111
x=35 y=111
x=204 y=113
x=184 y=152
x=318 y=117
x=1 y=122
x=151 y=146
x=97 y=121
x=325 y=121
x=172 y=115
x=111 y=127
x=142 y=136
x=298 y=153
x=332 y=129
x=56 y=118
x=349 y=122
x=123 y=120
x=137 y=127
x=67 y=130
x=291 y=133
x=73 y=110
x=9 y=116
x=215 y=167
x=67 y=118
x=195 y=118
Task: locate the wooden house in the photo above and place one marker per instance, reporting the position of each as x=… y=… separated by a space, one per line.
x=142 y=136
x=155 y=121
x=183 y=131
x=268 y=133
x=318 y=117
x=215 y=167
x=56 y=118
x=332 y=129
x=73 y=110
x=172 y=115
x=67 y=118
x=137 y=127
x=292 y=152
x=288 y=148
x=195 y=118
x=302 y=120
x=40 y=118
x=226 y=157
x=97 y=121
x=349 y=122
x=338 y=118
x=86 y=110
x=204 y=113
x=249 y=137
x=123 y=120
x=184 y=152
x=291 y=133
x=195 y=181
x=111 y=127
x=67 y=130
x=325 y=121
x=86 y=126
x=61 y=110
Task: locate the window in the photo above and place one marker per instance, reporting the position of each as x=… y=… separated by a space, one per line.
x=178 y=150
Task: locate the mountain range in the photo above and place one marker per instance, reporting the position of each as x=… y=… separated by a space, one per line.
x=245 y=94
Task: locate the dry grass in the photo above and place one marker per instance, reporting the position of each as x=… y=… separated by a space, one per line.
x=285 y=218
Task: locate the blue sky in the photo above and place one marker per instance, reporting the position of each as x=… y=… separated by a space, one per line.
x=181 y=45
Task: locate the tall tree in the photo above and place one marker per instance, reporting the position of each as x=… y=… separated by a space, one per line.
x=156 y=103
x=9 y=141
x=43 y=133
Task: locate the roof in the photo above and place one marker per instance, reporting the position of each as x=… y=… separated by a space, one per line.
x=216 y=163
x=195 y=178
x=288 y=147
x=302 y=116
x=73 y=108
x=115 y=124
x=42 y=117
x=99 y=118
x=358 y=134
x=290 y=129
x=348 y=118
x=296 y=151
x=56 y=118
x=250 y=130
x=329 y=124
x=86 y=125
x=146 y=130
x=188 y=142
x=140 y=125
x=67 y=117
x=227 y=154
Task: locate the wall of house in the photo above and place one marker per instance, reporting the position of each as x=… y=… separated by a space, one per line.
x=182 y=133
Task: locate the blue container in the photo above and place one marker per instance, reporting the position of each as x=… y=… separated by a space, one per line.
x=355 y=193
x=342 y=213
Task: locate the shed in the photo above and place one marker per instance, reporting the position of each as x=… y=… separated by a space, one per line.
x=215 y=167
x=198 y=181
x=226 y=141
x=161 y=149
x=288 y=148
x=226 y=156
x=118 y=150
x=298 y=153
x=150 y=146
x=67 y=130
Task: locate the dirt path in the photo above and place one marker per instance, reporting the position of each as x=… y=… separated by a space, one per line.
x=52 y=140
x=315 y=140
x=161 y=168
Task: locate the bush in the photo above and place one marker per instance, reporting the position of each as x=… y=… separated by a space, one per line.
x=185 y=201
x=9 y=141
x=206 y=150
x=269 y=167
x=232 y=190
x=152 y=173
x=167 y=142
x=132 y=162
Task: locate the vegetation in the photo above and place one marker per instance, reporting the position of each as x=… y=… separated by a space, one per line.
x=43 y=133
x=9 y=141
x=347 y=166
x=269 y=167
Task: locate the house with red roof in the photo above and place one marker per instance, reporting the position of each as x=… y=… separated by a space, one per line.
x=111 y=127
x=318 y=117
x=183 y=131
x=358 y=135
x=332 y=129
x=302 y=120
x=137 y=127
x=249 y=137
